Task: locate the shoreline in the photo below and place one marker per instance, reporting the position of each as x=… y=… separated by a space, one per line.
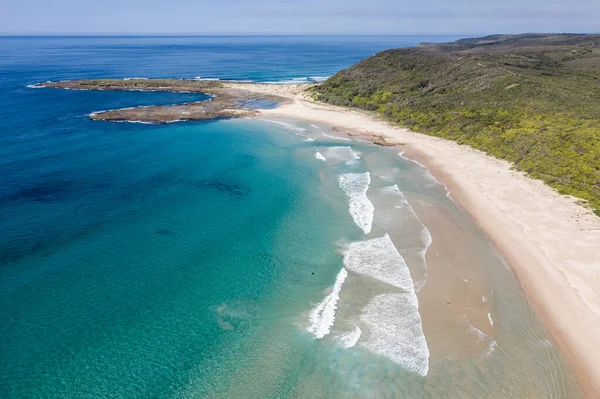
x=550 y=242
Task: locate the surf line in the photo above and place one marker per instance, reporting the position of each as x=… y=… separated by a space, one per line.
x=355 y=185
x=392 y=320
x=350 y=339
x=321 y=318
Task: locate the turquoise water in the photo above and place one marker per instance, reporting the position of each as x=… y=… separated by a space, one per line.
x=237 y=258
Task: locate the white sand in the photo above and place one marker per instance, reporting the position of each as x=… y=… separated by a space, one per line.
x=551 y=243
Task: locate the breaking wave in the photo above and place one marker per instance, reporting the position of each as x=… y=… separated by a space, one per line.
x=393 y=321
x=346 y=154
x=329 y=136
x=395 y=331
x=321 y=318
x=355 y=185
x=350 y=339
x=379 y=258
x=286 y=125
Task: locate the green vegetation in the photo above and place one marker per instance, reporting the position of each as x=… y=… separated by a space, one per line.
x=531 y=99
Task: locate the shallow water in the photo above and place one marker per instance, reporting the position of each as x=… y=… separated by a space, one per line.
x=246 y=258
x=430 y=307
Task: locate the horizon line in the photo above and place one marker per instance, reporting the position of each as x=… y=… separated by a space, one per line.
x=237 y=34
x=163 y=34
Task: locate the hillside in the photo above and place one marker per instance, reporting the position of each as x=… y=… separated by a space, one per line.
x=531 y=99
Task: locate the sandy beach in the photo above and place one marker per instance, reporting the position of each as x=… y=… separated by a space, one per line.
x=551 y=242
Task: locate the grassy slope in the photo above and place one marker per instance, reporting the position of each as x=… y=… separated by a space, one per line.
x=531 y=99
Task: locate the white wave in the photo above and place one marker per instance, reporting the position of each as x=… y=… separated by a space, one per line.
x=355 y=185
x=314 y=126
x=490 y=319
x=135 y=78
x=118 y=109
x=141 y=122
x=341 y=154
x=427 y=239
x=350 y=339
x=379 y=258
x=319 y=156
x=394 y=330
x=480 y=334
x=491 y=348
x=323 y=315
x=152 y=122
x=483 y=299
x=287 y=125
x=35 y=86
x=289 y=81
x=300 y=80
x=208 y=79
x=309 y=139
x=395 y=190
x=329 y=136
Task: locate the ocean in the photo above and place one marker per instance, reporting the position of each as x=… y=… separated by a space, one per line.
x=260 y=258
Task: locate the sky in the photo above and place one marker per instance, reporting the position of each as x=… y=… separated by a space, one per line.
x=297 y=16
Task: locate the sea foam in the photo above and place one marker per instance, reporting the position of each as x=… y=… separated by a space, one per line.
x=329 y=136
x=321 y=318
x=379 y=258
x=393 y=322
x=395 y=331
x=286 y=125
x=319 y=156
x=207 y=79
x=355 y=185
x=350 y=339
x=346 y=154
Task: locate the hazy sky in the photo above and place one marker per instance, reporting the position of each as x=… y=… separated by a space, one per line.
x=299 y=16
